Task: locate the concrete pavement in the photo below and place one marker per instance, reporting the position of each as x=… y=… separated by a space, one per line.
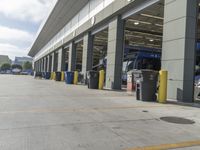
x=48 y=115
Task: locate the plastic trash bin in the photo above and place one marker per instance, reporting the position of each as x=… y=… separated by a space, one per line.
x=146 y=84
x=58 y=76
x=38 y=75
x=69 y=77
x=47 y=75
x=93 y=79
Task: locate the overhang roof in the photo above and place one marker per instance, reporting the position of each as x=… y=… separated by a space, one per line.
x=62 y=13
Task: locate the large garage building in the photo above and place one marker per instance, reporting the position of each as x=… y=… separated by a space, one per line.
x=85 y=34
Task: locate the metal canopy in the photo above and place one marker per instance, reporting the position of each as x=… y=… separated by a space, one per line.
x=62 y=13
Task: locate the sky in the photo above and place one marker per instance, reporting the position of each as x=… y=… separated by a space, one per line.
x=19 y=23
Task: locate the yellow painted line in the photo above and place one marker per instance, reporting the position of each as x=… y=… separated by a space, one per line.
x=169 y=146
x=49 y=110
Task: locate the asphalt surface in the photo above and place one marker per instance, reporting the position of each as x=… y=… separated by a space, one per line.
x=47 y=115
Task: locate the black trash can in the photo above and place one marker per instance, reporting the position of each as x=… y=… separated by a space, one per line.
x=146 y=84
x=93 y=79
x=58 y=76
x=38 y=75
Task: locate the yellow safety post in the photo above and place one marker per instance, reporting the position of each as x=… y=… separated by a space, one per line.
x=101 y=79
x=162 y=93
x=54 y=75
x=51 y=76
x=75 y=77
x=62 y=76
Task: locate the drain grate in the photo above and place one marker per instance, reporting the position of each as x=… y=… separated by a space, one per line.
x=177 y=120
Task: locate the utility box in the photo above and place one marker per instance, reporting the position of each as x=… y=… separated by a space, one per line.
x=146 y=84
x=130 y=82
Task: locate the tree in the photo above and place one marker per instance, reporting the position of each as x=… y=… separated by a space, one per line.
x=16 y=66
x=5 y=67
x=27 y=65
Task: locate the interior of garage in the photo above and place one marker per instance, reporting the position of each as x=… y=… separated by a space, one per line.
x=143 y=40
x=65 y=59
x=197 y=67
x=100 y=44
x=143 y=34
x=79 y=55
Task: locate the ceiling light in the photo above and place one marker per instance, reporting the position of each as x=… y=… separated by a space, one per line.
x=136 y=23
x=151 y=40
x=159 y=25
x=152 y=16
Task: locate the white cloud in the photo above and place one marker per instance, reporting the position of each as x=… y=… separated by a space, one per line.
x=13 y=41
x=12 y=51
x=16 y=35
x=26 y=10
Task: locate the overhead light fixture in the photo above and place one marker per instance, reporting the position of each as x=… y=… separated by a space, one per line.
x=159 y=25
x=136 y=23
x=152 y=16
x=151 y=40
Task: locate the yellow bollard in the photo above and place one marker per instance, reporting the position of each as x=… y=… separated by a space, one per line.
x=101 y=79
x=54 y=76
x=75 y=77
x=51 y=76
x=62 y=76
x=162 y=93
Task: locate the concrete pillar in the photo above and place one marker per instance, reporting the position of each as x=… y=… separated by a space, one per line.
x=179 y=44
x=59 y=68
x=72 y=57
x=52 y=62
x=48 y=64
x=115 y=54
x=34 y=67
x=37 y=67
x=44 y=60
x=87 y=53
x=40 y=65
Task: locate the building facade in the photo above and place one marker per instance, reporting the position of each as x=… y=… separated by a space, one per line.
x=4 y=59
x=22 y=60
x=80 y=35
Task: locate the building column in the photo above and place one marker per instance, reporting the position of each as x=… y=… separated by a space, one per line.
x=72 y=57
x=60 y=59
x=87 y=53
x=115 y=54
x=37 y=66
x=52 y=62
x=43 y=59
x=45 y=63
x=179 y=45
x=43 y=67
x=48 y=64
x=40 y=65
x=34 y=66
